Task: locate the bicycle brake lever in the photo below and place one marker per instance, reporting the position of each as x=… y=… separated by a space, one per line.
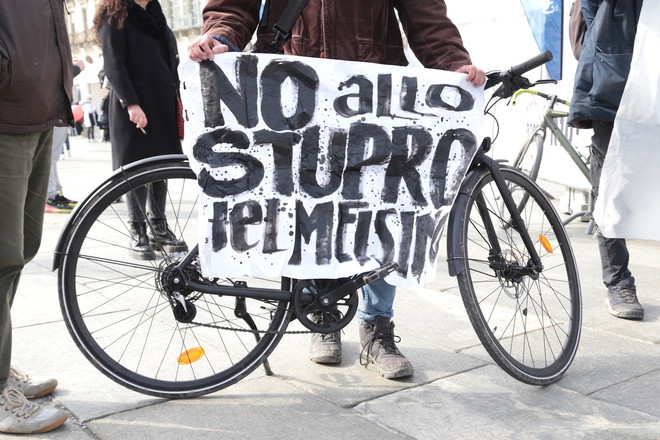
x=544 y=81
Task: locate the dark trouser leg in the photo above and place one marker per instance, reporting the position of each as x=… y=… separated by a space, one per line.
x=24 y=170
x=614 y=254
x=161 y=236
x=158 y=200
x=137 y=201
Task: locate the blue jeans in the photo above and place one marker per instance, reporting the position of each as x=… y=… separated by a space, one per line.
x=377 y=300
x=24 y=170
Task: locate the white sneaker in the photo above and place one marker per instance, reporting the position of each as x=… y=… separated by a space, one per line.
x=31 y=388
x=20 y=416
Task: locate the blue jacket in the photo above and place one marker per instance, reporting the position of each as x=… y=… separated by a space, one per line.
x=604 y=62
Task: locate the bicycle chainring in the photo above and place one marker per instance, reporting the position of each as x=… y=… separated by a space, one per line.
x=318 y=317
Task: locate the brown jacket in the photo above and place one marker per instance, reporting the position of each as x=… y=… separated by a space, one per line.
x=36 y=71
x=353 y=30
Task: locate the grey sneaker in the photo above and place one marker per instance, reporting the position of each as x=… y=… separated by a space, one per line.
x=622 y=302
x=20 y=416
x=325 y=347
x=378 y=347
x=30 y=388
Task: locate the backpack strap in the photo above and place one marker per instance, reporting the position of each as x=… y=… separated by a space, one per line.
x=577 y=27
x=284 y=23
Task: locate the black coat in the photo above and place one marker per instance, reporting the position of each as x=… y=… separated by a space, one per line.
x=140 y=63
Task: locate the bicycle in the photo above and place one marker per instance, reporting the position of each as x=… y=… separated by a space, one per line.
x=164 y=329
x=528 y=159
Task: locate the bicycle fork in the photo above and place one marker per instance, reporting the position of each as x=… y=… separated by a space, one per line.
x=497 y=261
x=534 y=265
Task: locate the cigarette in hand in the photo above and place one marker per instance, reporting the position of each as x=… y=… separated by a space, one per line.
x=143 y=130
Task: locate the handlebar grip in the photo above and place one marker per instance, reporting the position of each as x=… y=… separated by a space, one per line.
x=532 y=63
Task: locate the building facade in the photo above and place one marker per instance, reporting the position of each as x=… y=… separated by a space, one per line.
x=183 y=16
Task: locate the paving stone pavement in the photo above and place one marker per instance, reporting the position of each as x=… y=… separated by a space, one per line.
x=611 y=391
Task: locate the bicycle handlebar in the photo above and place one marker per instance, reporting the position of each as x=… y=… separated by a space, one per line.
x=532 y=63
x=512 y=78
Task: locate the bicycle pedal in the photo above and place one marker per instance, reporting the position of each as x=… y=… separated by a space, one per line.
x=379 y=273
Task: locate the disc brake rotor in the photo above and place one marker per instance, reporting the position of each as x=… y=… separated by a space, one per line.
x=512 y=289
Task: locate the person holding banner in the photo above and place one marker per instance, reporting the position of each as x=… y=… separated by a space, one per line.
x=602 y=72
x=367 y=31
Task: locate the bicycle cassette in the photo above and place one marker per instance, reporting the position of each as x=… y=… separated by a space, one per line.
x=316 y=316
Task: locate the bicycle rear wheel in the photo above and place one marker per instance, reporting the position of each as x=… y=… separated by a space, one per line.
x=530 y=325
x=123 y=320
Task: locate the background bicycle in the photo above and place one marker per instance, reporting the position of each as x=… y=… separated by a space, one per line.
x=555 y=155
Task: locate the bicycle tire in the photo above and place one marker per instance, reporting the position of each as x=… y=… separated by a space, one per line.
x=115 y=309
x=530 y=327
x=528 y=159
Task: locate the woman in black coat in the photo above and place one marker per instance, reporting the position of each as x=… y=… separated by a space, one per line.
x=140 y=62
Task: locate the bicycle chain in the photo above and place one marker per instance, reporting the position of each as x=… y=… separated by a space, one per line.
x=245 y=330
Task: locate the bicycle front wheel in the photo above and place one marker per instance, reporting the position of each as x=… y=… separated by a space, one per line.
x=123 y=319
x=528 y=322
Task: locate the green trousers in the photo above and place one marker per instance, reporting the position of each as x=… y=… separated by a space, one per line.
x=24 y=169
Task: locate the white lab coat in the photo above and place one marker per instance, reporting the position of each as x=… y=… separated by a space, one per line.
x=628 y=204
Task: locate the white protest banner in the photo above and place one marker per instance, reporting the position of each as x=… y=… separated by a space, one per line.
x=312 y=168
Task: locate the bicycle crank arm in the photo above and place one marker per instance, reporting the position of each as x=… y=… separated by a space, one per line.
x=355 y=283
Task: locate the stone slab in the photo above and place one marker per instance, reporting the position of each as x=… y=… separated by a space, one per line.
x=266 y=408
x=641 y=393
x=48 y=350
x=350 y=383
x=478 y=405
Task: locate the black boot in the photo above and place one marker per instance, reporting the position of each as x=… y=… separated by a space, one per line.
x=139 y=247
x=161 y=237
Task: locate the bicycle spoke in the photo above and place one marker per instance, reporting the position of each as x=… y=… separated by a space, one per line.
x=528 y=322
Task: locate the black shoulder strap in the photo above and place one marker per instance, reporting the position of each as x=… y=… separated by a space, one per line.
x=289 y=16
x=284 y=23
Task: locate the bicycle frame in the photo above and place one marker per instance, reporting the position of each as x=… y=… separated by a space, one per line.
x=548 y=122
x=180 y=281
x=177 y=280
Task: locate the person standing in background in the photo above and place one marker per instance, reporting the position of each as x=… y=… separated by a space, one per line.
x=369 y=31
x=103 y=120
x=55 y=201
x=89 y=121
x=36 y=79
x=140 y=63
x=602 y=72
